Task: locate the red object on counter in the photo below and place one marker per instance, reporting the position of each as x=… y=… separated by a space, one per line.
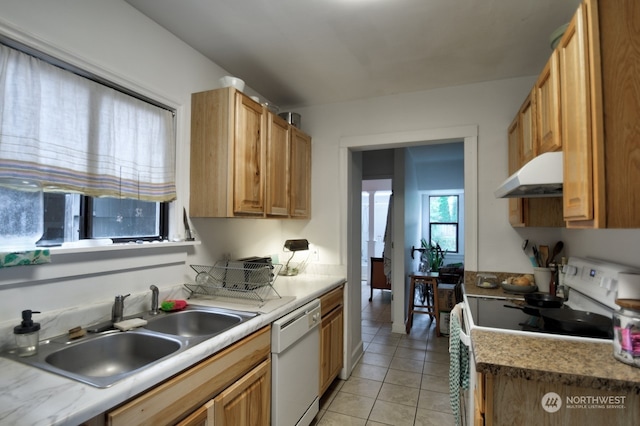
x=173 y=305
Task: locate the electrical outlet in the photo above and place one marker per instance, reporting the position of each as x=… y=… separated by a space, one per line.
x=315 y=256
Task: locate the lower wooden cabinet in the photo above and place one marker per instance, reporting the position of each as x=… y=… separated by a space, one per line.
x=331 y=337
x=503 y=400
x=246 y=402
x=219 y=389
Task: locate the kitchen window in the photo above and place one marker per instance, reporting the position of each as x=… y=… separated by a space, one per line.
x=73 y=217
x=103 y=156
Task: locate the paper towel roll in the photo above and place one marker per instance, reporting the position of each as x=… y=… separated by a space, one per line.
x=628 y=286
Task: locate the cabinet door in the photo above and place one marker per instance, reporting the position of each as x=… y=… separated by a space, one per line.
x=249 y=157
x=203 y=416
x=188 y=391
x=300 y=174
x=277 y=187
x=527 y=129
x=548 y=107
x=516 y=209
x=247 y=402
x=576 y=120
x=331 y=347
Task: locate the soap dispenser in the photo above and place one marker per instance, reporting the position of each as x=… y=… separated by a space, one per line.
x=27 y=334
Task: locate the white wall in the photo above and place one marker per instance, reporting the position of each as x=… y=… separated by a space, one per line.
x=112 y=39
x=115 y=40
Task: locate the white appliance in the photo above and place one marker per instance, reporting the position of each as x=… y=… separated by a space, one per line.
x=592 y=287
x=295 y=360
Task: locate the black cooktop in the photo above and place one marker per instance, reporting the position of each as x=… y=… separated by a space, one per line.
x=516 y=315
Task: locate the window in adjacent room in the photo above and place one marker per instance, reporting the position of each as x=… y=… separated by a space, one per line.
x=443 y=221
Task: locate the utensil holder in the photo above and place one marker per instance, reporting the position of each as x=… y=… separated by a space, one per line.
x=542 y=276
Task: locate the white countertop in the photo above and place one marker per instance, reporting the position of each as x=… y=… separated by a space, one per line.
x=30 y=396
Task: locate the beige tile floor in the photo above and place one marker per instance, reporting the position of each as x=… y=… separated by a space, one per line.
x=400 y=380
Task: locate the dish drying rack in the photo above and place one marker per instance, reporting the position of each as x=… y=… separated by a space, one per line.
x=236 y=279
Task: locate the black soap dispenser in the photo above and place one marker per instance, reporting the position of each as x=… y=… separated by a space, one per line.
x=27 y=334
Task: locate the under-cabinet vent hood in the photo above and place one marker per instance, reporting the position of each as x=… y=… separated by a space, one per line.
x=540 y=177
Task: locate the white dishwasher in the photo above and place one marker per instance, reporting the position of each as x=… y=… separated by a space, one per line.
x=295 y=361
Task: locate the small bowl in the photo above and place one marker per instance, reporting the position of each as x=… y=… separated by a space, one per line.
x=235 y=82
x=556 y=35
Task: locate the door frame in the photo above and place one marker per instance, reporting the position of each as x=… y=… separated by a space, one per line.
x=350 y=167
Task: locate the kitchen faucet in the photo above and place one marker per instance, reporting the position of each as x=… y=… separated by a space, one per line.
x=154 y=300
x=118 y=308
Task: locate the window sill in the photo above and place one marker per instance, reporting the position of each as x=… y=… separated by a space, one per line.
x=91 y=246
x=81 y=261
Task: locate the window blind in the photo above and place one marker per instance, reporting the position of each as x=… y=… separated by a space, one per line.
x=73 y=134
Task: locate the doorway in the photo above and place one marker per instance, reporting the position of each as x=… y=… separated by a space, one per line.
x=375 y=209
x=351 y=149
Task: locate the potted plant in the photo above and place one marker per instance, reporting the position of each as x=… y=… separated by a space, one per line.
x=433 y=255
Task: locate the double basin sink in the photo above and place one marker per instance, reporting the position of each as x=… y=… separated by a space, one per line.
x=101 y=359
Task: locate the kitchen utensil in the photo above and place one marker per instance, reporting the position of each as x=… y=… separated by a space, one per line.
x=525 y=246
x=230 y=81
x=557 y=248
x=188 y=236
x=526 y=309
x=544 y=256
x=536 y=255
x=543 y=300
x=574 y=321
x=542 y=277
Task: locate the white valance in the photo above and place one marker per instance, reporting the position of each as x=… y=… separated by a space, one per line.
x=76 y=135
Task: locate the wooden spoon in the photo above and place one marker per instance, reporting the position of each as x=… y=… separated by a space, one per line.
x=544 y=256
x=556 y=251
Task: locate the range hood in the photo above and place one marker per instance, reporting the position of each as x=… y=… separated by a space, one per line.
x=540 y=177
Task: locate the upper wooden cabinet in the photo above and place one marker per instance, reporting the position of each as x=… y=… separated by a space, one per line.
x=539 y=212
x=527 y=129
x=248 y=156
x=585 y=103
x=246 y=161
x=599 y=58
x=576 y=115
x=278 y=160
x=516 y=211
x=547 y=98
x=300 y=175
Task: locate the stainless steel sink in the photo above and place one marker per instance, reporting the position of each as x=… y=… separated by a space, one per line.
x=112 y=354
x=193 y=323
x=101 y=359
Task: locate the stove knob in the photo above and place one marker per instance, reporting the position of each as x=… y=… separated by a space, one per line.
x=570 y=270
x=607 y=282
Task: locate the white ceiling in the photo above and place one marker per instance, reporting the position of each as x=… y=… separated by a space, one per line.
x=308 y=52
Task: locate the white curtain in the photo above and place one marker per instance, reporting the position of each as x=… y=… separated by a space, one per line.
x=75 y=135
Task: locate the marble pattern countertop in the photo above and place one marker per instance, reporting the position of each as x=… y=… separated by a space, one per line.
x=548 y=359
x=30 y=396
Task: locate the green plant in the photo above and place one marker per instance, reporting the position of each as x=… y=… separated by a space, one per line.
x=433 y=254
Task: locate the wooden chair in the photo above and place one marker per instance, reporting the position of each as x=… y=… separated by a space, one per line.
x=377 y=278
